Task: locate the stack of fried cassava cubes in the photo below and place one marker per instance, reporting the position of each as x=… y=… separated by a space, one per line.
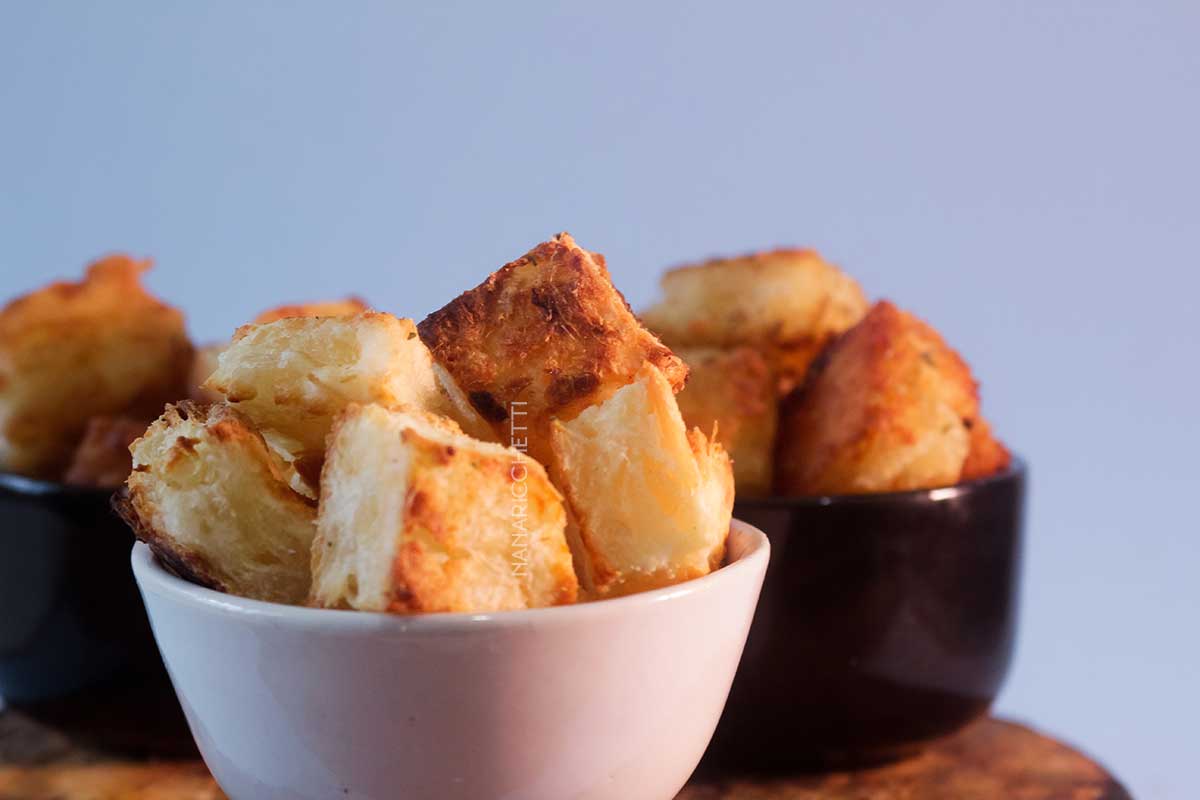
x=521 y=447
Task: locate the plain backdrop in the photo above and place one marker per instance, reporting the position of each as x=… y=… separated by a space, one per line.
x=1025 y=176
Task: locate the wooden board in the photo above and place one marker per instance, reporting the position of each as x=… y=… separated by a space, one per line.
x=991 y=759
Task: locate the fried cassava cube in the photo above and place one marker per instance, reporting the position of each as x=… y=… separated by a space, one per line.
x=787 y=304
x=210 y=500
x=732 y=392
x=650 y=502
x=417 y=517
x=544 y=337
x=889 y=407
x=294 y=375
x=73 y=351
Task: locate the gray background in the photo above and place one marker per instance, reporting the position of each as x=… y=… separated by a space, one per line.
x=1026 y=178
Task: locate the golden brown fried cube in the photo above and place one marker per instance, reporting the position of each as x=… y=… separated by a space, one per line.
x=294 y=375
x=987 y=454
x=787 y=304
x=545 y=336
x=890 y=407
x=733 y=392
x=207 y=357
x=73 y=351
x=208 y=497
x=102 y=458
x=415 y=516
x=650 y=502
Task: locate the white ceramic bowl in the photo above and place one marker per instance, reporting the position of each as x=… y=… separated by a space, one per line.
x=612 y=699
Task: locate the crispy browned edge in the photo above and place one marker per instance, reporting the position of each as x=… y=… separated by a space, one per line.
x=882 y=321
x=178 y=560
x=753 y=258
x=458 y=328
x=345 y=307
x=987 y=454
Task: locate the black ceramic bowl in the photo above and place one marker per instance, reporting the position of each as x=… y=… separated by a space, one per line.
x=76 y=650
x=885 y=622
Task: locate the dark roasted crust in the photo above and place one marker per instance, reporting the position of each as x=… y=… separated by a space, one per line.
x=177 y=560
x=488 y=406
x=549 y=330
x=987 y=456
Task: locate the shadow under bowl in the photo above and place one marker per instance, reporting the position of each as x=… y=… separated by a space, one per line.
x=885 y=622
x=76 y=651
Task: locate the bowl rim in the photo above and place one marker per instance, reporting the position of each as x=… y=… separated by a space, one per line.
x=153 y=578
x=1016 y=472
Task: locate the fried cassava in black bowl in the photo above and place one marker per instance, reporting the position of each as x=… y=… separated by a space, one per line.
x=886 y=622
x=76 y=650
